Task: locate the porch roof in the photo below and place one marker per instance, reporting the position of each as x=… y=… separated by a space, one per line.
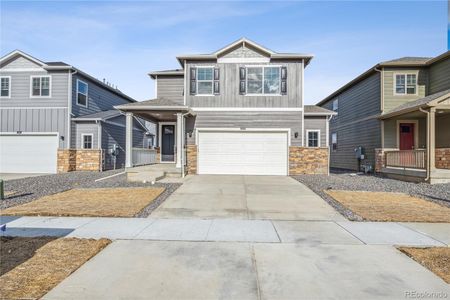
x=428 y=101
x=153 y=104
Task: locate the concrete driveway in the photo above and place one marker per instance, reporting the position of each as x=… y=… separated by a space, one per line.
x=245 y=197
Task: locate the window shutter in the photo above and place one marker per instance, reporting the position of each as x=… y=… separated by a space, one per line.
x=242 y=76
x=193 y=79
x=283 y=80
x=216 y=81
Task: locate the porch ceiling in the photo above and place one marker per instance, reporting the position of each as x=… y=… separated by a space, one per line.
x=157 y=115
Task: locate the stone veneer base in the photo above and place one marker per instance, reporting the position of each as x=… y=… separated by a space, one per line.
x=79 y=160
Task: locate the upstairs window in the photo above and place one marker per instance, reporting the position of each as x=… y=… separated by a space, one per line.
x=313 y=138
x=335 y=104
x=263 y=80
x=40 y=86
x=334 y=141
x=82 y=93
x=5 y=83
x=86 y=140
x=205 y=81
x=405 y=84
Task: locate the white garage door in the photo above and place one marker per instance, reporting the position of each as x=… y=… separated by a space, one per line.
x=28 y=153
x=245 y=153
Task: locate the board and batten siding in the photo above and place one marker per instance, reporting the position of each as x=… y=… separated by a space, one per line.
x=99 y=98
x=244 y=119
x=171 y=87
x=35 y=120
x=229 y=87
x=439 y=76
x=391 y=100
x=316 y=123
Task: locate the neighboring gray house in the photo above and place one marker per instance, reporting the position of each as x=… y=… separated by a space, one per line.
x=239 y=110
x=54 y=117
x=399 y=112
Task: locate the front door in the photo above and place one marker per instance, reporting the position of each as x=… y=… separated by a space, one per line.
x=406 y=136
x=168 y=143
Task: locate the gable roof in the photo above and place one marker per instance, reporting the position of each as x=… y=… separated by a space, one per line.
x=158 y=103
x=99 y=116
x=166 y=72
x=406 y=61
x=245 y=41
x=317 y=110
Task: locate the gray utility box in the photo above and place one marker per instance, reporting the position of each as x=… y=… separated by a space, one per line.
x=359 y=152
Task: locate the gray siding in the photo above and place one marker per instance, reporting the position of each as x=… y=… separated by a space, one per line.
x=391 y=101
x=442 y=131
x=391 y=132
x=100 y=99
x=35 y=120
x=316 y=123
x=20 y=63
x=290 y=120
x=242 y=51
x=171 y=87
x=229 y=88
x=439 y=76
x=85 y=128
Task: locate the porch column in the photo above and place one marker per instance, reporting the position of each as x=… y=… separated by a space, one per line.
x=179 y=144
x=432 y=132
x=128 y=140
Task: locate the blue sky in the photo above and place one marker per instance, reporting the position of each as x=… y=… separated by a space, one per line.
x=122 y=41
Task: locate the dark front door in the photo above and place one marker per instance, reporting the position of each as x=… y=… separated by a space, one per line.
x=406 y=136
x=168 y=143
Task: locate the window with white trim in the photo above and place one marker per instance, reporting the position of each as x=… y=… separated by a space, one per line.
x=87 y=140
x=313 y=138
x=5 y=84
x=82 y=93
x=40 y=86
x=205 y=80
x=334 y=141
x=335 y=104
x=405 y=84
x=263 y=80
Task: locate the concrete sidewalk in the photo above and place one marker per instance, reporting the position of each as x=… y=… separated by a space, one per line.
x=229 y=230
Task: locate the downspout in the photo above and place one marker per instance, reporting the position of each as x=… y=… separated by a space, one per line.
x=328 y=143
x=183 y=154
x=381 y=103
x=99 y=143
x=69 y=109
x=428 y=142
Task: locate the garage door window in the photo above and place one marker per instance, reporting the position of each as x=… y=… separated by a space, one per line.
x=40 y=86
x=87 y=141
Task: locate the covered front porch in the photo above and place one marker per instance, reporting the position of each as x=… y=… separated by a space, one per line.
x=416 y=140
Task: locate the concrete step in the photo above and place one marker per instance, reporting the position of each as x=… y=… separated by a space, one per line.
x=147 y=176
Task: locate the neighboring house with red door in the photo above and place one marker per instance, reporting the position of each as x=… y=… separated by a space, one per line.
x=398 y=111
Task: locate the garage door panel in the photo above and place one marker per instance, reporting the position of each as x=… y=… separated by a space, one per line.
x=28 y=153
x=247 y=153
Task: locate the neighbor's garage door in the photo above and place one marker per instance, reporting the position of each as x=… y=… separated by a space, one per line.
x=245 y=153
x=28 y=153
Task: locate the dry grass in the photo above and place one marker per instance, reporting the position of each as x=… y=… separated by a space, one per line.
x=395 y=207
x=47 y=267
x=106 y=202
x=435 y=259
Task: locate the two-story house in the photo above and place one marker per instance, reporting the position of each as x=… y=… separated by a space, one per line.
x=54 y=117
x=399 y=112
x=239 y=110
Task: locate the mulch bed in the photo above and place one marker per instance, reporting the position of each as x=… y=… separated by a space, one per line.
x=49 y=262
x=435 y=259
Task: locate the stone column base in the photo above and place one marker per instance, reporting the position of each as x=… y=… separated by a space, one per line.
x=191 y=159
x=442 y=158
x=79 y=160
x=303 y=160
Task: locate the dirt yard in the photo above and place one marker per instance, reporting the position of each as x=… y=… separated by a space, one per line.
x=33 y=266
x=436 y=259
x=394 y=207
x=102 y=202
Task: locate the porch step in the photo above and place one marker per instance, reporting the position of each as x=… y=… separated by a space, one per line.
x=147 y=176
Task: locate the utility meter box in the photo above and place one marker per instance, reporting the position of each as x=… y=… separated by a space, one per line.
x=359 y=152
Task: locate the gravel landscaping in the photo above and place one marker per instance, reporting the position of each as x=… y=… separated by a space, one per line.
x=439 y=193
x=32 y=188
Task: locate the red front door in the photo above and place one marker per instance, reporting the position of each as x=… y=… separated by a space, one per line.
x=406 y=136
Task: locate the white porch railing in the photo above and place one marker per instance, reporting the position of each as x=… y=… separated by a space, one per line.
x=414 y=159
x=142 y=156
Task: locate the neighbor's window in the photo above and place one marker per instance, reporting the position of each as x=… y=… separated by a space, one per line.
x=313 y=138
x=40 y=86
x=205 y=81
x=263 y=80
x=82 y=93
x=405 y=84
x=335 y=104
x=5 y=82
x=87 y=141
x=334 y=141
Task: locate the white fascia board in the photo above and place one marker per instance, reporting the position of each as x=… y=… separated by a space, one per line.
x=287 y=109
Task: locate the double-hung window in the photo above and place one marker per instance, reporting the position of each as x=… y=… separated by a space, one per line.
x=205 y=80
x=313 y=138
x=5 y=84
x=86 y=140
x=82 y=93
x=263 y=80
x=335 y=105
x=405 y=84
x=40 y=86
x=334 y=141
